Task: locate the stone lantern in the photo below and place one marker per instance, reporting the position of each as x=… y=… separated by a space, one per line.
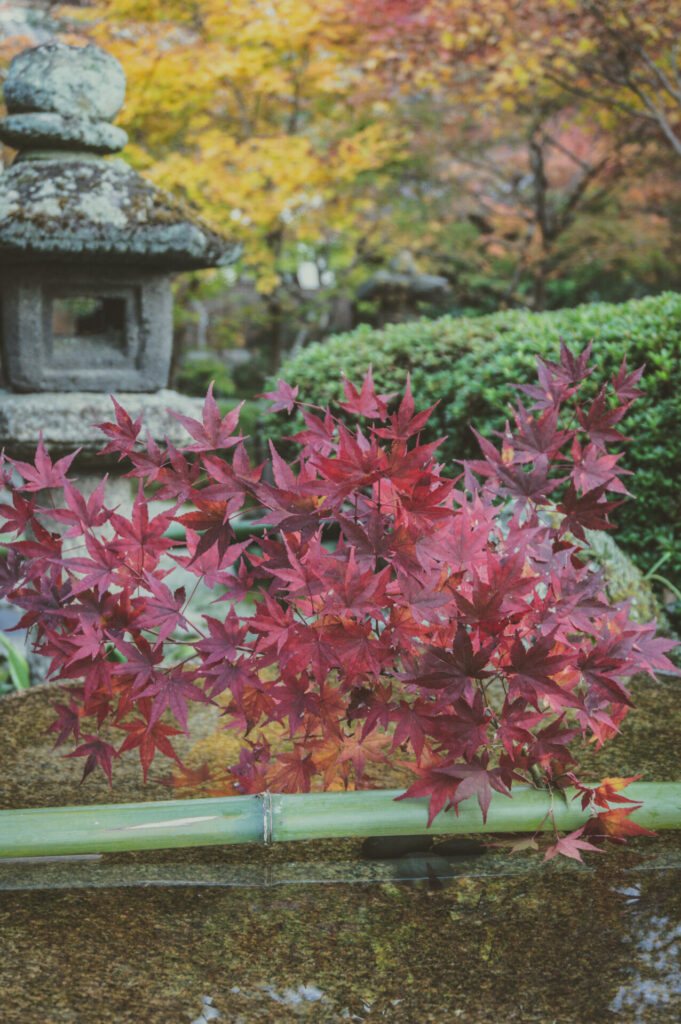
x=87 y=246
x=87 y=250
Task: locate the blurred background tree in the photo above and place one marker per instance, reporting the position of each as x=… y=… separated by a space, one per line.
x=379 y=160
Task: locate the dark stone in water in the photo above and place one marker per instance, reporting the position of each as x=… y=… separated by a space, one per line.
x=389 y=847
x=459 y=846
x=386 y=847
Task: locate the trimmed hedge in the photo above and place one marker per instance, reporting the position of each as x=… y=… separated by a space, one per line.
x=470 y=364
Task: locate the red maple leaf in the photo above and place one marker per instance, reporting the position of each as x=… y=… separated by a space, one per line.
x=101 y=569
x=571 y=846
x=123 y=432
x=531 y=668
x=171 y=689
x=357 y=593
x=148 y=737
x=82 y=515
x=528 y=484
x=453 y=671
x=550 y=744
x=67 y=722
x=572 y=369
x=605 y=793
x=599 y=421
x=356 y=649
x=141 y=661
x=553 y=388
x=224 y=640
x=140 y=538
x=448 y=784
x=589 y=511
x=404 y=423
x=165 y=609
x=211 y=517
x=283 y=397
x=537 y=436
x=215 y=432
x=19 y=515
x=43 y=474
x=359 y=749
x=517 y=723
x=652 y=650
x=412 y=724
x=624 y=384
x=98 y=753
x=293 y=772
x=358 y=464
x=365 y=402
x=592 y=469
x=177 y=478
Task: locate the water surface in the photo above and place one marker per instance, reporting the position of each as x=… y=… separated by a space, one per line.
x=312 y=932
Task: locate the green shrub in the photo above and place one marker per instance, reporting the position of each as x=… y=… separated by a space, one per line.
x=466 y=364
x=195 y=375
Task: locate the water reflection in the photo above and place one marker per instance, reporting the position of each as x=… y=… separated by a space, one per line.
x=598 y=943
x=208 y=1012
x=654 y=985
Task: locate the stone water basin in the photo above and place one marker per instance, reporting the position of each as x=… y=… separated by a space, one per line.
x=315 y=932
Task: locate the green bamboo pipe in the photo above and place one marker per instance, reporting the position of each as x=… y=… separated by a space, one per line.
x=269 y=817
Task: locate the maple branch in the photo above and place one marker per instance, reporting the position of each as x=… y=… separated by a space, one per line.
x=456 y=579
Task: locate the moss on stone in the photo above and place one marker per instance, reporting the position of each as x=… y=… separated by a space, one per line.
x=624 y=580
x=85 y=207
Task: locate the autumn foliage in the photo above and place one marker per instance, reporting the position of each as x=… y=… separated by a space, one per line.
x=399 y=613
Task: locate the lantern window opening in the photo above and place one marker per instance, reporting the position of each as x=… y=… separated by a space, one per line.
x=79 y=323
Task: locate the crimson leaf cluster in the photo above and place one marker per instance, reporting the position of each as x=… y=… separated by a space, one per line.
x=398 y=613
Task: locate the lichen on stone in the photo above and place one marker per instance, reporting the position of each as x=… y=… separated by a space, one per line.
x=9 y=203
x=100 y=208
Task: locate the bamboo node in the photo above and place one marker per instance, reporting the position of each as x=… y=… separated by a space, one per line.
x=266 y=817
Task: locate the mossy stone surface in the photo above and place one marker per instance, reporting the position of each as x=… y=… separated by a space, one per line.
x=26 y=131
x=87 y=207
x=624 y=581
x=76 y=81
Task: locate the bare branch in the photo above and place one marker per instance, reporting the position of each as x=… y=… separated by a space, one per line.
x=540 y=184
x=575 y=193
x=607 y=101
x=659 y=75
x=673 y=56
x=658 y=114
x=566 y=152
x=521 y=265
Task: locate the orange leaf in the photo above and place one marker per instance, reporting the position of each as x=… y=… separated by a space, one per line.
x=606 y=793
x=618 y=823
